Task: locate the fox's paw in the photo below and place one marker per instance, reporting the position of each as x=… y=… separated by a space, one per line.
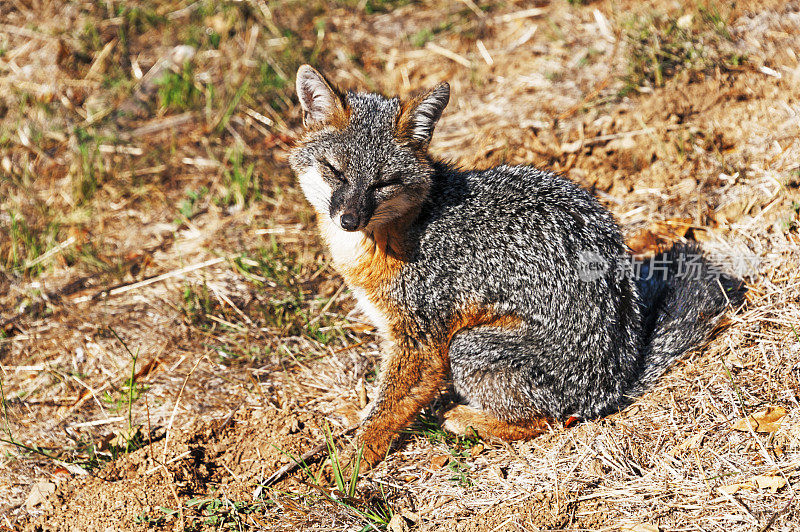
x=373 y=444
x=467 y=421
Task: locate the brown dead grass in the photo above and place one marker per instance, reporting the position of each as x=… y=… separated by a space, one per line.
x=244 y=359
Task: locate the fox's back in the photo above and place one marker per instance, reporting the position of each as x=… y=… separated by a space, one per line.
x=506 y=231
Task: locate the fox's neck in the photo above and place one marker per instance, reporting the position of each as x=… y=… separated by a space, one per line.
x=369 y=259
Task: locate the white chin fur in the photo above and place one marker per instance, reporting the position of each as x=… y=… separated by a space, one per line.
x=317 y=191
x=345 y=246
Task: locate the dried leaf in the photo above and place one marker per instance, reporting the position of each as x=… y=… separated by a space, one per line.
x=733 y=360
x=596 y=467
x=438 y=462
x=730 y=489
x=693 y=442
x=409 y=515
x=39 y=493
x=640 y=527
x=476 y=450
x=659 y=235
x=398 y=524
x=701 y=234
x=673 y=228
x=643 y=243
x=769 y=482
x=767 y=420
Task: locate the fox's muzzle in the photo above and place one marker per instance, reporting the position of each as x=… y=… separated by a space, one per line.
x=349 y=221
x=355 y=211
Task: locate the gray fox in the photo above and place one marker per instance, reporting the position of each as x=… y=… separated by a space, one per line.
x=481 y=276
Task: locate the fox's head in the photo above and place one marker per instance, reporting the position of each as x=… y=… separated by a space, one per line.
x=363 y=160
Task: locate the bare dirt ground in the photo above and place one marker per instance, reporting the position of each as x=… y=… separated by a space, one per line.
x=171 y=331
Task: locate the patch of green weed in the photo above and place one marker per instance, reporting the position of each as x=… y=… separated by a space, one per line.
x=713 y=19
x=86 y=455
x=177 y=91
x=373 y=509
x=660 y=46
x=26 y=244
x=90 y=38
x=165 y=514
x=221 y=513
x=240 y=186
x=196 y=303
x=458 y=446
x=88 y=175
x=189 y=207
x=421 y=38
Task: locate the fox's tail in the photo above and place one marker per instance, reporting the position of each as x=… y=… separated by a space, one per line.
x=684 y=296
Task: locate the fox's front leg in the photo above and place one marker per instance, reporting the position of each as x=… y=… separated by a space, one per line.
x=411 y=374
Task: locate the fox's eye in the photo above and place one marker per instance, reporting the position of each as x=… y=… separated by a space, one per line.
x=337 y=174
x=389 y=182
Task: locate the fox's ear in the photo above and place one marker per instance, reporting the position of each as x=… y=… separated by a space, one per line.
x=319 y=100
x=418 y=116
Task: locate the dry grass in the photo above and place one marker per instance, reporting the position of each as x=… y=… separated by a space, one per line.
x=157 y=259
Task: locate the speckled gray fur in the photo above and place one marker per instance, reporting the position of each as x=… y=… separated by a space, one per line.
x=510 y=238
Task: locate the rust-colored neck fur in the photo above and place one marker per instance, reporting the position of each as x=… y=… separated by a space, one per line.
x=369 y=259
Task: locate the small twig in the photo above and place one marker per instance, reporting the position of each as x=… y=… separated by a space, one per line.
x=25 y=32
x=170 y=461
x=227 y=420
x=157 y=169
x=171 y=483
x=151 y=280
x=97 y=422
x=52 y=251
x=92 y=392
x=259 y=117
x=444 y=52
x=281 y=473
x=775 y=515
x=175 y=410
x=348 y=347
x=324 y=309
x=525 y=13
x=226 y=323
x=484 y=52
x=474 y=8
x=161 y=124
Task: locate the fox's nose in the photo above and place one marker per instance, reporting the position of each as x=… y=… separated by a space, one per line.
x=349 y=221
